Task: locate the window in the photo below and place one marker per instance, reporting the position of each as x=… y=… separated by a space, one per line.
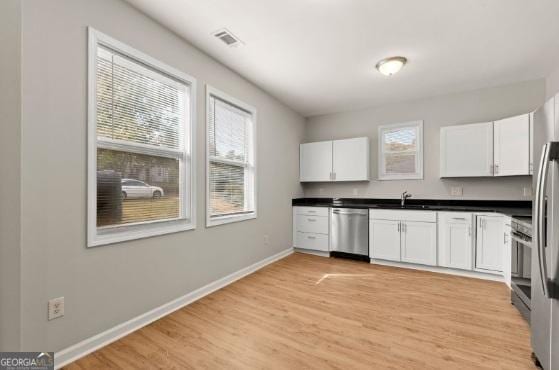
x=231 y=170
x=140 y=146
x=401 y=151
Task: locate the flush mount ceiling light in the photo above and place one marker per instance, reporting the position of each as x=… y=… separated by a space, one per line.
x=390 y=66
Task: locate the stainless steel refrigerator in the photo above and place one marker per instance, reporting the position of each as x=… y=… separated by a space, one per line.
x=545 y=250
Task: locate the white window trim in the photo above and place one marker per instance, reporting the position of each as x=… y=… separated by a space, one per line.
x=239 y=217
x=418 y=175
x=114 y=234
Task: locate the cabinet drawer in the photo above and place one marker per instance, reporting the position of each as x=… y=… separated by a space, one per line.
x=456 y=217
x=312 y=224
x=318 y=242
x=312 y=211
x=420 y=216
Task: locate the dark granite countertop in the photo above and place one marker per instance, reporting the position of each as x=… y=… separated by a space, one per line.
x=507 y=207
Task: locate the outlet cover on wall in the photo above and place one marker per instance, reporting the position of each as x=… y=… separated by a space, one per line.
x=266 y=239
x=456 y=191
x=527 y=191
x=56 y=308
x=355 y=191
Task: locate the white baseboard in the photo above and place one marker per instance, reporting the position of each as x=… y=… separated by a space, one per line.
x=442 y=270
x=313 y=252
x=91 y=344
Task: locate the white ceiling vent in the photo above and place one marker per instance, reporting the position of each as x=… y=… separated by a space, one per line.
x=227 y=37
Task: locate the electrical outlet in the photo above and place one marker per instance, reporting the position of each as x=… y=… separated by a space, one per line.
x=355 y=191
x=320 y=191
x=56 y=308
x=456 y=191
x=527 y=192
x=266 y=239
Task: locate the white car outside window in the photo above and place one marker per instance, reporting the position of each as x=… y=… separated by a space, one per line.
x=132 y=189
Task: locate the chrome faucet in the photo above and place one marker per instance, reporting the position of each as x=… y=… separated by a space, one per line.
x=405 y=195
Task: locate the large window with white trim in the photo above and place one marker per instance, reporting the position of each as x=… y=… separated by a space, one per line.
x=231 y=165
x=140 y=150
x=401 y=151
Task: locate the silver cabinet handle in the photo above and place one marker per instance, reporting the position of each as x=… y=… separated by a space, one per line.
x=459 y=218
x=399 y=226
x=311 y=219
x=311 y=237
x=333 y=176
x=496 y=169
x=550 y=152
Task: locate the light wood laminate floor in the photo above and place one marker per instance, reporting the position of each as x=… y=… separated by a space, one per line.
x=309 y=312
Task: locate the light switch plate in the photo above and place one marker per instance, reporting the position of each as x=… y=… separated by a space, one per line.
x=56 y=308
x=456 y=191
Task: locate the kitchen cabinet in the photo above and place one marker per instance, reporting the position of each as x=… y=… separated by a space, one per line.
x=531 y=150
x=311 y=228
x=315 y=161
x=507 y=251
x=406 y=236
x=511 y=143
x=337 y=160
x=466 y=150
x=456 y=240
x=351 y=159
x=384 y=240
x=419 y=242
x=489 y=243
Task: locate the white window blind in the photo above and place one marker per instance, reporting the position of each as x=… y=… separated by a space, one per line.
x=141 y=119
x=401 y=151
x=231 y=170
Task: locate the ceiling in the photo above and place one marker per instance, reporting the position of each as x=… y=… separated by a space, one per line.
x=318 y=56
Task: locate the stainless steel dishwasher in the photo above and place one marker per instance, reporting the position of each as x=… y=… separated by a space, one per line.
x=349 y=231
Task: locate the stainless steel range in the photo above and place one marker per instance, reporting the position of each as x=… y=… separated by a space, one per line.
x=521 y=269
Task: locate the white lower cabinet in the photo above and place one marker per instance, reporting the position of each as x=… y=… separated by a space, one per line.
x=456 y=240
x=384 y=239
x=406 y=236
x=507 y=251
x=311 y=228
x=419 y=242
x=489 y=243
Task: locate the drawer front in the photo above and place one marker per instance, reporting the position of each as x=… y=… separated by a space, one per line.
x=456 y=217
x=312 y=224
x=312 y=211
x=386 y=214
x=317 y=242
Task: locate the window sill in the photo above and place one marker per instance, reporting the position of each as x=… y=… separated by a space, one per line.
x=229 y=219
x=133 y=232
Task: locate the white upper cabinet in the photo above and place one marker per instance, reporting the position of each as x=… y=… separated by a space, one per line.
x=338 y=160
x=351 y=159
x=467 y=150
x=315 y=161
x=531 y=150
x=455 y=240
x=512 y=146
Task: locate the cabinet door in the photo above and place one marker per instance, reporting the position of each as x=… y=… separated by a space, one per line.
x=512 y=146
x=419 y=242
x=351 y=159
x=467 y=150
x=507 y=251
x=531 y=149
x=384 y=239
x=315 y=161
x=455 y=240
x=489 y=243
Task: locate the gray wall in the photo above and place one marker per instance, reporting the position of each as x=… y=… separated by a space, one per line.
x=10 y=135
x=468 y=107
x=552 y=83
x=108 y=285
